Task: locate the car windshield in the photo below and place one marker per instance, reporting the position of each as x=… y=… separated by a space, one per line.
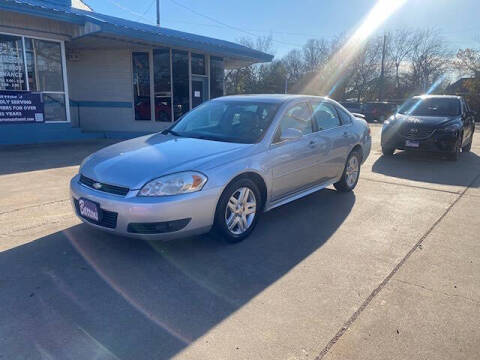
x=227 y=120
x=431 y=107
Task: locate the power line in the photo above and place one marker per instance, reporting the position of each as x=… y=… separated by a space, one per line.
x=227 y=25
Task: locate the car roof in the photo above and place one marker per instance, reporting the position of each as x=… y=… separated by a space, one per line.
x=274 y=98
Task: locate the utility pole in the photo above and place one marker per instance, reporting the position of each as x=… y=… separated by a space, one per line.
x=382 y=72
x=158 y=13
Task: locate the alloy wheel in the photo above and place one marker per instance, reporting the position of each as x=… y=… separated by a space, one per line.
x=352 y=171
x=240 y=211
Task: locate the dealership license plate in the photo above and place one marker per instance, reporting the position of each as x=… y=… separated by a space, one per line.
x=410 y=143
x=89 y=209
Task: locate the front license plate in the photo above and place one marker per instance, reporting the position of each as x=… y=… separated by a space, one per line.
x=89 y=209
x=411 y=143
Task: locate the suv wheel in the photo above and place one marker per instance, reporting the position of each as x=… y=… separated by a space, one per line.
x=453 y=156
x=236 y=214
x=351 y=173
x=468 y=147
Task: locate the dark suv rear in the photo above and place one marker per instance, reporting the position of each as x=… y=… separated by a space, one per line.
x=379 y=111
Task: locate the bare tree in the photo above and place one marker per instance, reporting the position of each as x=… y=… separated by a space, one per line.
x=429 y=58
x=365 y=69
x=467 y=62
x=294 y=65
x=399 y=48
x=315 y=53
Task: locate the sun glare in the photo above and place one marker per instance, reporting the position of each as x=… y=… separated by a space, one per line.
x=327 y=81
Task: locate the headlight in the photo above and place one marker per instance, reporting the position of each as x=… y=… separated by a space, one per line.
x=389 y=120
x=450 y=128
x=174 y=184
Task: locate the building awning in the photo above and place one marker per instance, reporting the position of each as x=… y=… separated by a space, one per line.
x=95 y=24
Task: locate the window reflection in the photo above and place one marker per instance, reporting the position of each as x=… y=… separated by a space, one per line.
x=48 y=65
x=217 y=69
x=141 y=85
x=198 y=64
x=162 y=85
x=181 y=99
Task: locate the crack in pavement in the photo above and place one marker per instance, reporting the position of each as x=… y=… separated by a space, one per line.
x=413 y=186
x=438 y=292
x=34 y=206
x=375 y=292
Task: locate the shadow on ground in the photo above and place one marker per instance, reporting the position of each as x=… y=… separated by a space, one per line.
x=429 y=167
x=17 y=159
x=81 y=293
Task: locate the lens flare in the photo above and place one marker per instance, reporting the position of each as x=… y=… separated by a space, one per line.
x=325 y=82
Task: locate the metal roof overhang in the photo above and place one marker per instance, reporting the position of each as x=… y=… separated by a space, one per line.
x=91 y=27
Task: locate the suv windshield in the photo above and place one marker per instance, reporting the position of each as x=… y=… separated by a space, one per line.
x=227 y=120
x=431 y=107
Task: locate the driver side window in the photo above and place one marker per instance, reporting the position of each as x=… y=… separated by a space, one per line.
x=297 y=117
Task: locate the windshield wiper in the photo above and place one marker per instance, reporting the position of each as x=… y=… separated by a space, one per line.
x=174 y=133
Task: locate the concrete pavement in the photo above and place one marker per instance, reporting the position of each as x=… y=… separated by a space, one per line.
x=389 y=271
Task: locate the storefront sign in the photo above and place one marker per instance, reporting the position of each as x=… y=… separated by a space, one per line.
x=20 y=107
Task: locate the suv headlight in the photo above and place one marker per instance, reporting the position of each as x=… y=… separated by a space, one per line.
x=450 y=128
x=174 y=184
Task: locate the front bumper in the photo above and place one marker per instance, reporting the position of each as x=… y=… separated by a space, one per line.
x=199 y=207
x=437 y=141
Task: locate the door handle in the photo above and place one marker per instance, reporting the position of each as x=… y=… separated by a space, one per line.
x=345 y=134
x=312 y=144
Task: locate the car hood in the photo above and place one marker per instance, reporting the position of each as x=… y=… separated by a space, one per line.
x=428 y=121
x=134 y=162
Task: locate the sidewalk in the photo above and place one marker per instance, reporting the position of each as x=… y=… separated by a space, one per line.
x=430 y=308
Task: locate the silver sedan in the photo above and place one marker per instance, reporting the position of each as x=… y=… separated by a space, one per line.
x=221 y=165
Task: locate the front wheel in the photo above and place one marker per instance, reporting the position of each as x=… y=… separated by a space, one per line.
x=236 y=214
x=351 y=173
x=453 y=156
x=468 y=147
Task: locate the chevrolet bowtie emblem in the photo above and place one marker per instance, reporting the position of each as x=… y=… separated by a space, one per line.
x=97 y=185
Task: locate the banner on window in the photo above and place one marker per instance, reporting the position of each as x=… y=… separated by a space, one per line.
x=20 y=107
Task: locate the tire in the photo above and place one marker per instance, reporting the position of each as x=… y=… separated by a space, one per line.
x=453 y=156
x=468 y=147
x=243 y=223
x=346 y=182
x=387 y=151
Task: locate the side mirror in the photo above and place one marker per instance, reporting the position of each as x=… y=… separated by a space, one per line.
x=290 y=134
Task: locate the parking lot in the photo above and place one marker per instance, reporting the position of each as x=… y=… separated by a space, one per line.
x=390 y=271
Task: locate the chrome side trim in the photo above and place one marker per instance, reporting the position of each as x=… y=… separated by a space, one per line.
x=298 y=195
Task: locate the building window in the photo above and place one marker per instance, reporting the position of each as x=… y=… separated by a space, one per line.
x=217 y=69
x=198 y=64
x=141 y=85
x=12 y=68
x=44 y=71
x=181 y=98
x=162 y=85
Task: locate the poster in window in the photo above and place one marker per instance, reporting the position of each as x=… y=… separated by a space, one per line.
x=20 y=107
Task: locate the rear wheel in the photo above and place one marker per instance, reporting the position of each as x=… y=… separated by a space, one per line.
x=236 y=214
x=350 y=175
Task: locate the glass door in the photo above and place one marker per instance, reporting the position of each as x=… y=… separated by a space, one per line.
x=199 y=90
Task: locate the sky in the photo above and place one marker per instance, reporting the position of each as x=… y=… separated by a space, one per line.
x=292 y=23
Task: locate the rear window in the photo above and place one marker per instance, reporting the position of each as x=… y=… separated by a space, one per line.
x=431 y=107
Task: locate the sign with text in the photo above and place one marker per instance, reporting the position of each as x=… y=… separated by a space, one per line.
x=20 y=107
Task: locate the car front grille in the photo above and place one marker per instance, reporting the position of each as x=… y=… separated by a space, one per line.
x=416 y=133
x=108 y=218
x=111 y=189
